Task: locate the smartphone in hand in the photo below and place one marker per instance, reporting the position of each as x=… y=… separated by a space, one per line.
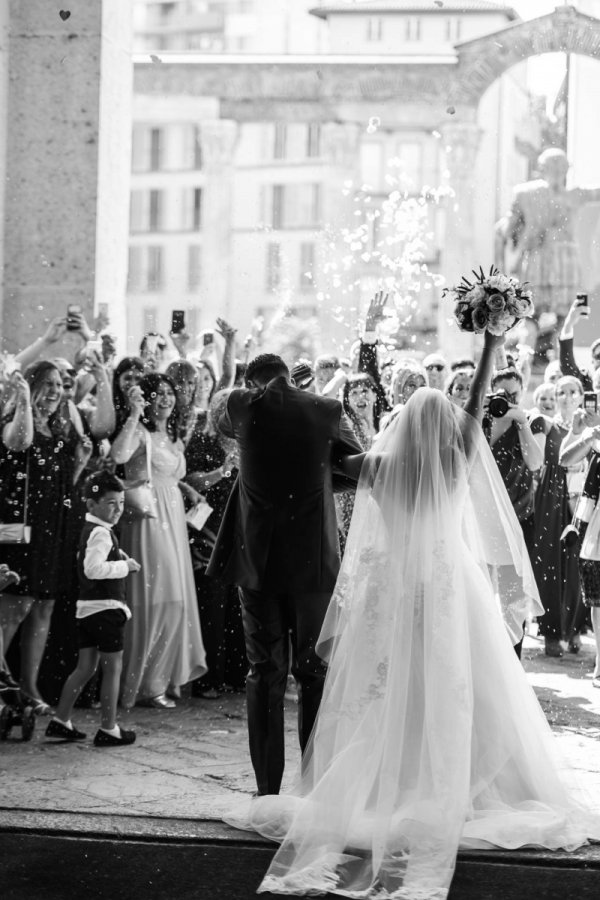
x=590 y=401
x=177 y=321
x=73 y=311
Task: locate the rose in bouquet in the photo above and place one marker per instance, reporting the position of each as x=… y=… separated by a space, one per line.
x=493 y=302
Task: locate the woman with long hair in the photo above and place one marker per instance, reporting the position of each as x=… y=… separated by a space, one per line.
x=359 y=399
x=555 y=563
x=163 y=641
x=127 y=374
x=429 y=736
x=41 y=460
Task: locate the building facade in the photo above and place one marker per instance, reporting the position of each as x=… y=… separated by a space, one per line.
x=238 y=207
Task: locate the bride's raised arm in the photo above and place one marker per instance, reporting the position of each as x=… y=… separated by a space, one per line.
x=479 y=386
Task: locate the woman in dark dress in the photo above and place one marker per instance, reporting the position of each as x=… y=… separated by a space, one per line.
x=49 y=462
x=212 y=467
x=516 y=444
x=554 y=563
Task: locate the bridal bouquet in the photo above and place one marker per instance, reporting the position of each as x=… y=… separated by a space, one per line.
x=493 y=302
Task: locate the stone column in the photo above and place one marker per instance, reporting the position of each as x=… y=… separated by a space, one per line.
x=461 y=140
x=218 y=145
x=67 y=161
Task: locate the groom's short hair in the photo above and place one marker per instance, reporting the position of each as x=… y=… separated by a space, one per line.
x=263 y=368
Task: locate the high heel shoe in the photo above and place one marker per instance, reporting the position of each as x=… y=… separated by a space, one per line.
x=159 y=702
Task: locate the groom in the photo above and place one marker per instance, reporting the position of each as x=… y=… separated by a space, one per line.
x=278 y=542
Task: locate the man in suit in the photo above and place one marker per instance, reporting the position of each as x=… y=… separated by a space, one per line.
x=278 y=542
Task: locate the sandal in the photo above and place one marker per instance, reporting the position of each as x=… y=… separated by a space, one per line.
x=40 y=707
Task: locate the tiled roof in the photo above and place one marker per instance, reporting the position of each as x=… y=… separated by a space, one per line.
x=377 y=6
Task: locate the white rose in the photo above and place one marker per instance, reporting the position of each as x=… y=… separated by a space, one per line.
x=499 y=282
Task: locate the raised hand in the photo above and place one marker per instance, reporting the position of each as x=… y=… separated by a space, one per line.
x=376 y=310
x=56 y=330
x=136 y=401
x=226 y=330
x=21 y=388
x=7 y=576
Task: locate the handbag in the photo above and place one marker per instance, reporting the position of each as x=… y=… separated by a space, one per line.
x=140 y=502
x=18 y=532
x=198 y=515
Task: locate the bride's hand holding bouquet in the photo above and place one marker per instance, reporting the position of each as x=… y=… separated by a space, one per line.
x=492 y=304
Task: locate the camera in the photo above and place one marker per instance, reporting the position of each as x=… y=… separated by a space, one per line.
x=497 y=404
x=582 y=300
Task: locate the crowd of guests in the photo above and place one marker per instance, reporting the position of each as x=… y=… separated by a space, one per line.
x=152 y=420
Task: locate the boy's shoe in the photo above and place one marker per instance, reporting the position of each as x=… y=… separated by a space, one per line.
x=104 y=739
x=56 y=729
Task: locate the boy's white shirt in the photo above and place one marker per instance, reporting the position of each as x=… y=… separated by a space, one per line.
x=96 y=567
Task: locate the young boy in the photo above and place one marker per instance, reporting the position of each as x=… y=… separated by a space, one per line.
x=101 y=614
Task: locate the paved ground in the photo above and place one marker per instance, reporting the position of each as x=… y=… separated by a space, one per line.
x=192 y=763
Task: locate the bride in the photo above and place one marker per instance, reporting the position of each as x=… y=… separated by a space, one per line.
x=429 y=737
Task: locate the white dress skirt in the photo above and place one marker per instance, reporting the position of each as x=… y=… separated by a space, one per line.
x=429 y=737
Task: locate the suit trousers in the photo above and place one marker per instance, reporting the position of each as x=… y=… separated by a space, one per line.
x=274 y=623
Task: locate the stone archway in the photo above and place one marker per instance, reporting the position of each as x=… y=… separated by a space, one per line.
x=483 y=60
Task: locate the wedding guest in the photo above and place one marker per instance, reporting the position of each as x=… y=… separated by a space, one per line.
x=555 y=564
x=517 y=446
x=458 y=385
x=127 y=374
x=544 y=399
x=359 y=401
x=101 y=614
x=41 y=458
x=163 y=641
x=437 y=370
x=212 y=467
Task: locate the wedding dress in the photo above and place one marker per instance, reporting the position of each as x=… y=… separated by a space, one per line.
x=429 y=737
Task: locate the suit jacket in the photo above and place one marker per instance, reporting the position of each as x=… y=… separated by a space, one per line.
x=279 y=530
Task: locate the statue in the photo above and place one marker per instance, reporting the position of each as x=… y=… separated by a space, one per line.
x=535 y=242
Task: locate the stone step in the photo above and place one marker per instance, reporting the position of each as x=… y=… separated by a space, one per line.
x=46 y=856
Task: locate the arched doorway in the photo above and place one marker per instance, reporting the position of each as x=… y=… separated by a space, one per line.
x=480 y=63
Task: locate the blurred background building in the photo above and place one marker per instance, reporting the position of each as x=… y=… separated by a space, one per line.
x=237 y=213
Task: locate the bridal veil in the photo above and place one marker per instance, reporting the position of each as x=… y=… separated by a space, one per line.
x=429 y=736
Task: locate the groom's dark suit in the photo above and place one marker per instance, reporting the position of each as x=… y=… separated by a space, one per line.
x=278 y=542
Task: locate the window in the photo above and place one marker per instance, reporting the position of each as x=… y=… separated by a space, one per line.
x=194 y=276
x=313 y=139
x=145 y=273
x=371 y=164
x=134 y=270
x=374 y=28
x=274 y=266
x=307 y=264
x=191 y=209
x=146 y=211
x=192 y=147
x=154 y=269
x=411 y=164
x=412 y=29
x=147 y=149
x=296 y=205
x=453 y=29
x=279 y=141
x=156 y=149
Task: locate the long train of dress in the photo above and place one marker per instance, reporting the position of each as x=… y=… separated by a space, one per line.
x=429 y=737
